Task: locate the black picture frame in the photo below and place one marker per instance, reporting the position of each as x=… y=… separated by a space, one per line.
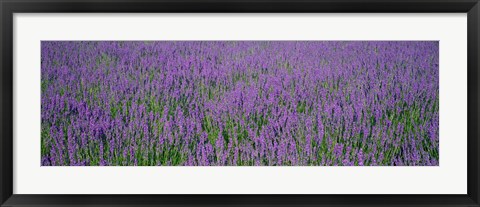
x=9 y=7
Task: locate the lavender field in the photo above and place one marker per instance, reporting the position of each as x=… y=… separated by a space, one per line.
x=240 y=103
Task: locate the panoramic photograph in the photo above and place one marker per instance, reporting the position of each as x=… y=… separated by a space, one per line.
x=239 y=103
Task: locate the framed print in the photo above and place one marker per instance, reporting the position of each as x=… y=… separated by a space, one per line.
x=239 y=103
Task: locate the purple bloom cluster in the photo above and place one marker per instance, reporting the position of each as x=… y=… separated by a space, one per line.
x=240 y=103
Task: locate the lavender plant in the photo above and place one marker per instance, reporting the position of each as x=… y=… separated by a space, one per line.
x=240 y=103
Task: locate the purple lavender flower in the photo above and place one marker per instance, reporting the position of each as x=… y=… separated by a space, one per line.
x=240 y=103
